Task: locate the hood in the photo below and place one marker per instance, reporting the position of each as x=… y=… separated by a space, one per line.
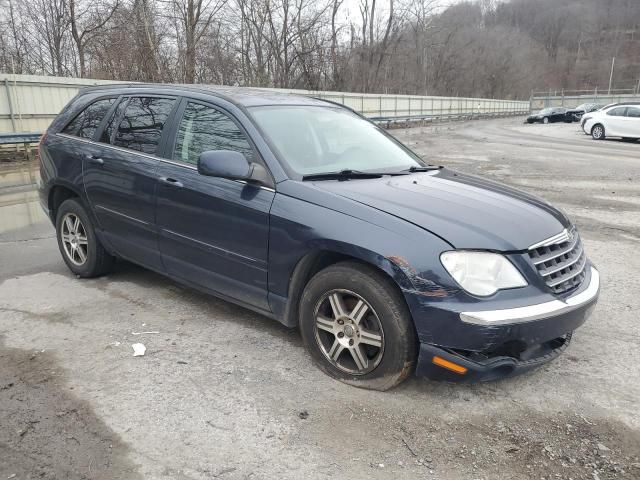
x=465 y=210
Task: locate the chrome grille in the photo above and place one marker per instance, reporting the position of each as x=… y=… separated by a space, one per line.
x=560 y=262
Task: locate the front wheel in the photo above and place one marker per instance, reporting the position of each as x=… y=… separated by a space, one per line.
x=80 y=248
x=545 y=120
x=597 y=132
x=357 y=327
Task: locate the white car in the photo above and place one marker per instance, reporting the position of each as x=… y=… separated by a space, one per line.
x=619 y=120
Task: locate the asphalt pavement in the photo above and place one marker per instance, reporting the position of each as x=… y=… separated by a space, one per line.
x=225 y=393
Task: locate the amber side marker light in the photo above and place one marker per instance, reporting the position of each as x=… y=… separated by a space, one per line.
x=454 y=367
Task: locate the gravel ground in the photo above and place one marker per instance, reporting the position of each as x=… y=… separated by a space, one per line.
x=225 y=393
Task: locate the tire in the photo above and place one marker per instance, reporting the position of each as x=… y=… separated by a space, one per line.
x=79 y=246
x=375 y=321
x=545 y=120
x=597 y=132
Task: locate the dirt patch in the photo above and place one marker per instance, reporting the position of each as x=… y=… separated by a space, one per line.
x=46 y=432
x=521 y=444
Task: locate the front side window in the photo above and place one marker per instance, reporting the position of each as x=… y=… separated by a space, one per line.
x=204 y=128
x=141 y=126
x=617 y=112
x=633 y=112
x=318 y=139
x=87 y=121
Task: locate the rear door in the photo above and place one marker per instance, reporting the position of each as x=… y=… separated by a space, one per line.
x=213 y=231
x=120 y=178
x=632 y=122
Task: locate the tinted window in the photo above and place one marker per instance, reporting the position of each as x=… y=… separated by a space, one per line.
x=617 y=112
x=87 y=121
x=204 y=128
x=107 y=133
x=633 y=112
x=141 y=127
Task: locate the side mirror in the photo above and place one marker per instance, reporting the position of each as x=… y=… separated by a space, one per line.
x=232 y=165
x=225 y=164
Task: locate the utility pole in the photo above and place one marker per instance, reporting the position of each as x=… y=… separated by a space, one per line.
x=613 y=63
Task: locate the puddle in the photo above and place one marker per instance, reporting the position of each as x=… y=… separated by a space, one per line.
x=15 y=174
x=46 y=431
x=23 y=221
x=19 y=204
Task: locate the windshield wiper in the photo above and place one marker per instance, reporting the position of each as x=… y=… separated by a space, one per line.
x=428 y=168
x=345 y=174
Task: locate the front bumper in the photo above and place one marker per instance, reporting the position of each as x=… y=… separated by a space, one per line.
x=493 y=344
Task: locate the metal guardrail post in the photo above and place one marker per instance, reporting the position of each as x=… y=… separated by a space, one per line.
x=11 y=113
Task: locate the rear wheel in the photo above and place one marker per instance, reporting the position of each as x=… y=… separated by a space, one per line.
x=597 y=132
x=357 y=327
x=80 y=248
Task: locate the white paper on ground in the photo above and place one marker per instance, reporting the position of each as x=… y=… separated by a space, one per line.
x=138 y=349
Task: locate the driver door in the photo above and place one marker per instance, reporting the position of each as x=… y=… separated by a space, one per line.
x=213 y=232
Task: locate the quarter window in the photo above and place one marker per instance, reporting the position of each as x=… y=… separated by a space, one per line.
x=633 y=112
x=204 y=128
x=617 y=112
x=141 y=127
x=87 y=121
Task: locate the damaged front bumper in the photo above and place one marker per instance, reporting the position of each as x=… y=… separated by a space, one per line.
x=491 y=344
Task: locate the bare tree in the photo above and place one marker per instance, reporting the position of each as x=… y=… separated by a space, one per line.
x=501 y=48
x=87 y=20
x=49 y=30
x=195 y=19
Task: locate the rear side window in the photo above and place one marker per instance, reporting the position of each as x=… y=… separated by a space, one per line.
x=141 y=126
x=617 y=112
x=633 y=112
x=204 y=128
x=87 y=121
x=107 y=133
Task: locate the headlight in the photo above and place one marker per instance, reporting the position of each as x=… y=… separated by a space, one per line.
x=481 y=273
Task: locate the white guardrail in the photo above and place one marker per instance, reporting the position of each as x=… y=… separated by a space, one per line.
x=28 y=103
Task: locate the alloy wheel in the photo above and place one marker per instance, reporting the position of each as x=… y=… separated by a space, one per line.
x=349 y=332
x=597 y=132
x=74 y=239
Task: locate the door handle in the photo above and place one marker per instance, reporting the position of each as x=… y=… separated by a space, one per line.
x=95 y=159
x=171 y=182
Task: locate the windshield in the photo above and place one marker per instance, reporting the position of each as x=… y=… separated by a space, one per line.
x=315 y=139
x=546 y=110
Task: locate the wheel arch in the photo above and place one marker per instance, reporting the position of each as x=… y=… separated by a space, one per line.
x=319 y=259
x=58 y=193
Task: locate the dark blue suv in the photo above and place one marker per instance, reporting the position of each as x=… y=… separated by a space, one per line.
x=304 y=211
